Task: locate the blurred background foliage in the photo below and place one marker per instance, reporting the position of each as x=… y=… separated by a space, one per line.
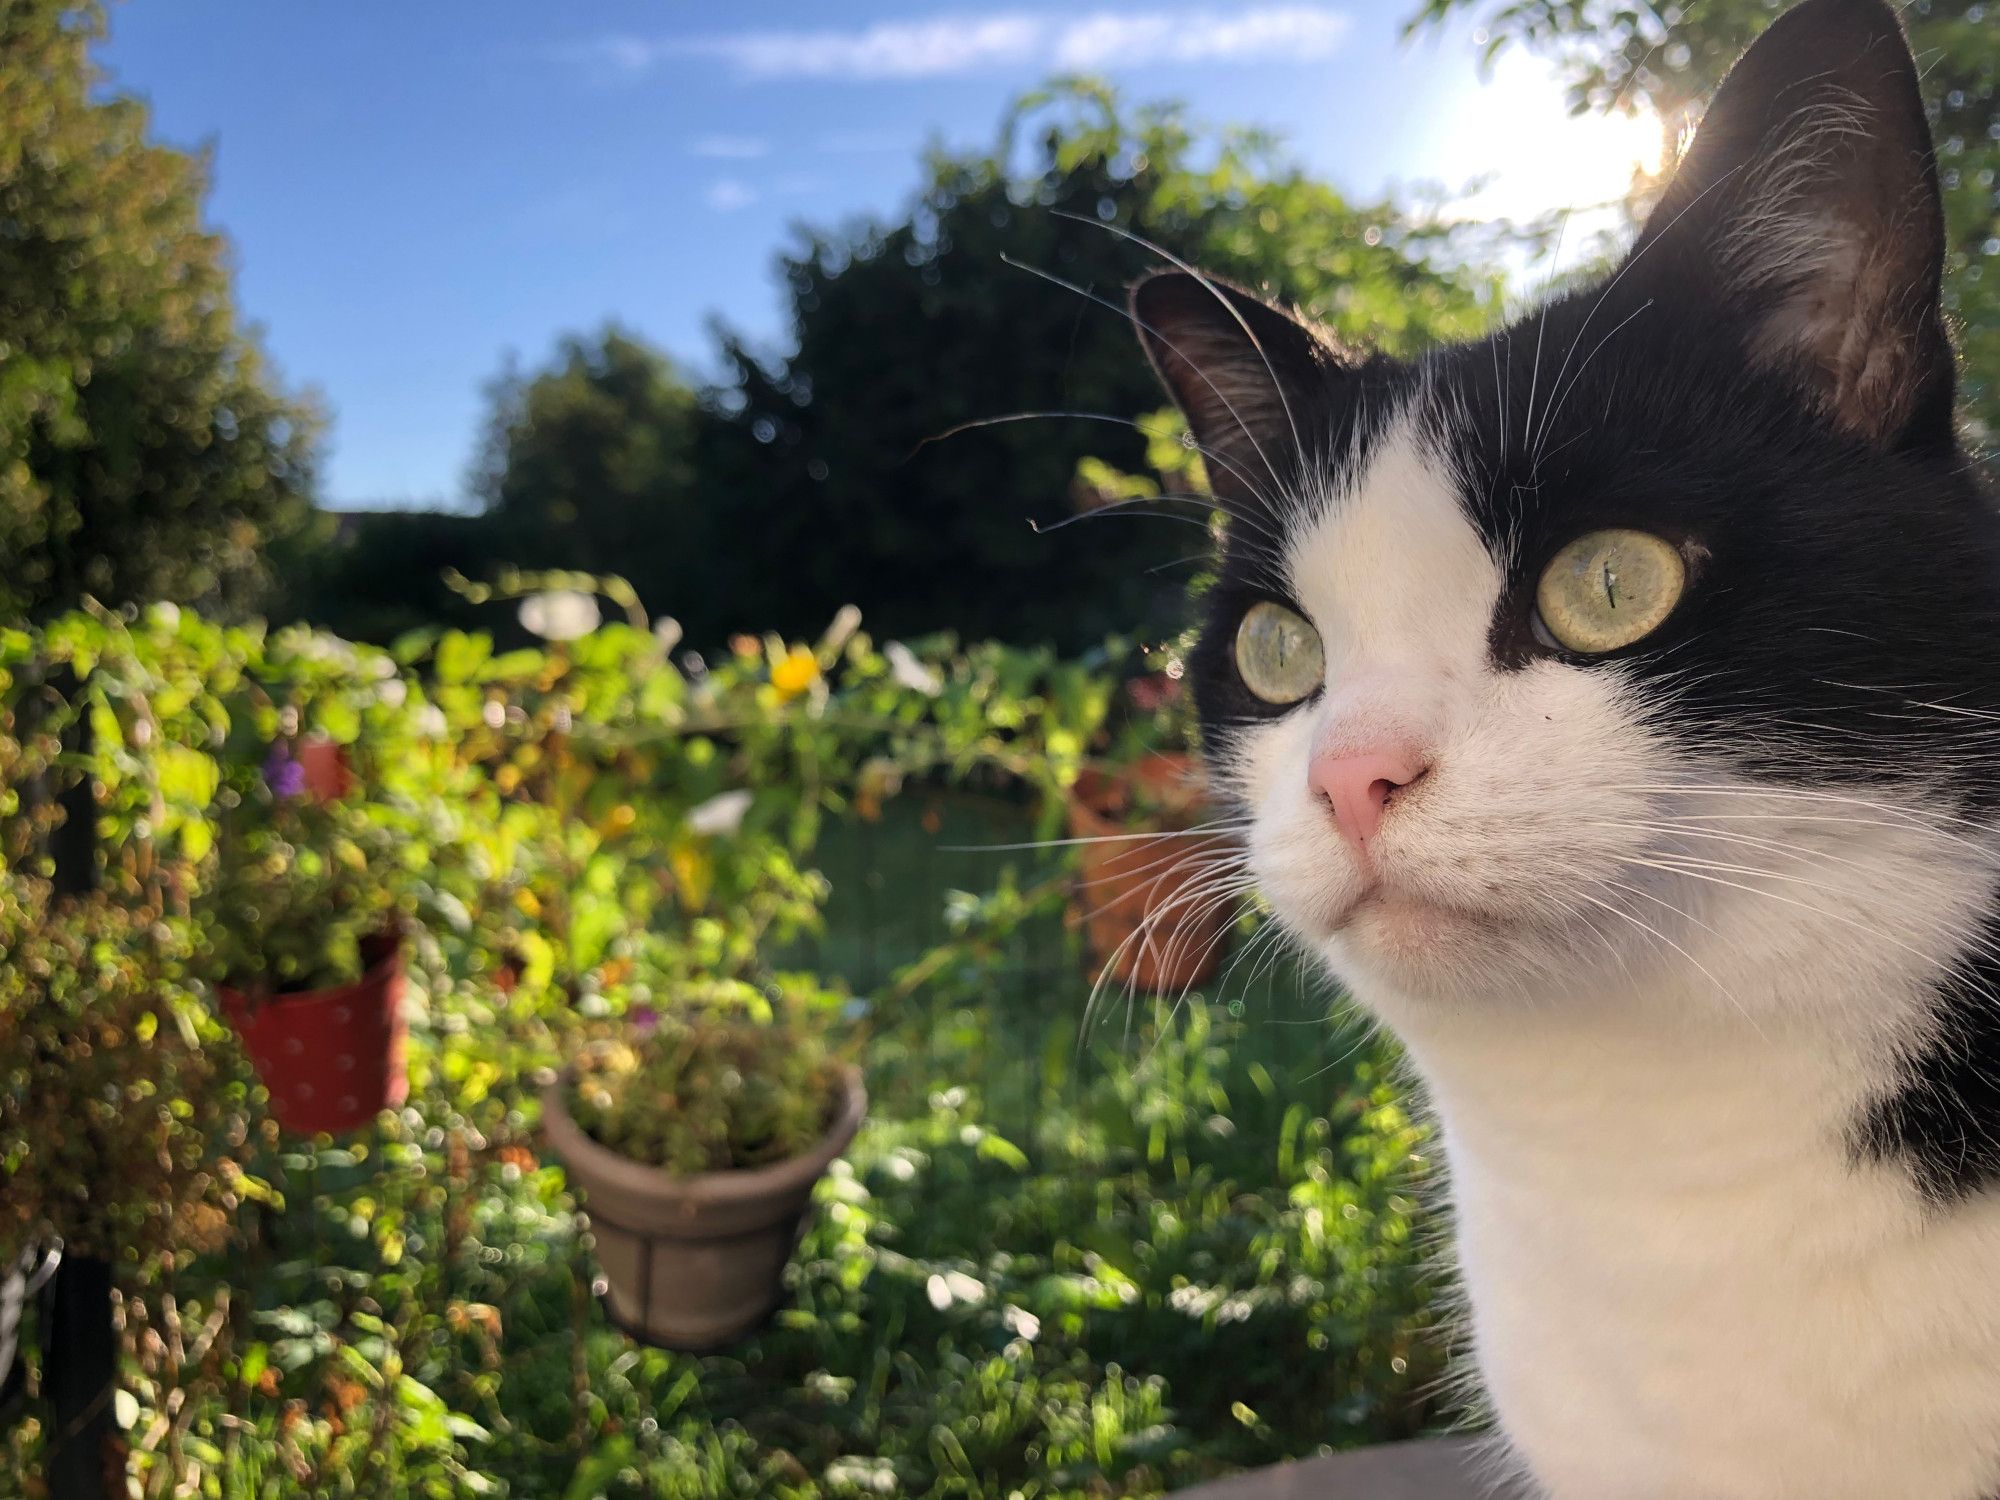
x=827 y=473
x=135 y=415
x=1187 y=1244
x=1056 y=1263
x=145 y=451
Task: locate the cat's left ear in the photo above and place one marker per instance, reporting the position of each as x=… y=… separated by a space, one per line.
x=1809 y=202
x=1238 y=369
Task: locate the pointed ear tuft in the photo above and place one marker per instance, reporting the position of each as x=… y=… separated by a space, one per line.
x=1809 y=201
x=1238 y=369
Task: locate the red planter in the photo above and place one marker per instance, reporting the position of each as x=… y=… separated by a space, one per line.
x=331 y=1059
x=1142 y=901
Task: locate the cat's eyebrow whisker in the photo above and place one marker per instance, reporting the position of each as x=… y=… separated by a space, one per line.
x=1133 y=508
x=975 y=424
x=1137 y=322
x=1563 y=393
x=1623 y=271
x=1284 y=401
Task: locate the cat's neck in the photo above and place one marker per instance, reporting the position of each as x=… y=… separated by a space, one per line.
x=1627 y=1105
x=1687 y=1199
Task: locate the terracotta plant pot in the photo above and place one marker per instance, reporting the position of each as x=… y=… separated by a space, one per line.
x=331 y=1059
x=1152 y=884
x=693 y=1263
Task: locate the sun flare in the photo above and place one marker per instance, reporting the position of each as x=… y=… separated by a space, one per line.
x=1533 y=156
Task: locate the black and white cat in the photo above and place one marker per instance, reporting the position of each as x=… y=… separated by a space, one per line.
x=1616 y=705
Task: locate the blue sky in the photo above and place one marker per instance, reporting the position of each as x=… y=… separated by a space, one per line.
x=415 y=191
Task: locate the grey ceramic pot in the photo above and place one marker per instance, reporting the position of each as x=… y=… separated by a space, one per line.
x=693 y=1263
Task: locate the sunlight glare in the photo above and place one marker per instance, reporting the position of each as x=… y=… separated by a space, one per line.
x=1517 y=134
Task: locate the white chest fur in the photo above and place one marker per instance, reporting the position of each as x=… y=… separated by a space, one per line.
x=1682 y=1287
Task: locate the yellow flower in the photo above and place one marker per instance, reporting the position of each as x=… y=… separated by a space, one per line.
x=795 y=672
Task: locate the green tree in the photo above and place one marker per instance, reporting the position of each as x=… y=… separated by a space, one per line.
x=822 y=471
x=1613 y=54
x=145 y=452
x=586 y=462
x=589 y=463
x=836 y=472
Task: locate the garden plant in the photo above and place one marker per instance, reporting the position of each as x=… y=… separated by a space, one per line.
x=1051 y=1262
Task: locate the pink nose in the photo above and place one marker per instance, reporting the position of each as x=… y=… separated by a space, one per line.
x=1358 y=788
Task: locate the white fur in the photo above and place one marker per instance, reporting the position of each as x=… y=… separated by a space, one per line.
x=1683 y=1286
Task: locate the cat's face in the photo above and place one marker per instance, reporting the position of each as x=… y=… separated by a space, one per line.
x=1664 y=619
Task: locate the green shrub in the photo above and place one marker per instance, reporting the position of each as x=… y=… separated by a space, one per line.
x=1047 y=1267
x=123 y=1103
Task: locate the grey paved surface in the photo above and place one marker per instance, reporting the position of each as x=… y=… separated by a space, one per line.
x=1436 y=1470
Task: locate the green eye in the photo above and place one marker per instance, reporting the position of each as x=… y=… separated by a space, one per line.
x=1278 y=654
x=1608 y=589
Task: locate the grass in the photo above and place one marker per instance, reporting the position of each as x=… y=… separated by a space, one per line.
x=1049 y=1267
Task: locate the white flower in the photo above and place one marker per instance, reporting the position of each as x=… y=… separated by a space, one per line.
x=560 y=614
x=950 y=1287
x=393 y=691
x=667 y=631
x=431 y=722
x=911 y=673
x=1021 y=1321
x=846 y=621
x=720 y=814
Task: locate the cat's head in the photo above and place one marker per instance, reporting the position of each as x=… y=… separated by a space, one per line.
x=1547 y=661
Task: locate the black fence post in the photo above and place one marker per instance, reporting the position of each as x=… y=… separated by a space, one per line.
x=79 y=1345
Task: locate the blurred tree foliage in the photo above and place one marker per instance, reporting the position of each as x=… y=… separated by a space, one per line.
x=827 y=461
x=1614 y=54
x=586 y=463
x=824 y=474
x=145 y=452
x=590 y=463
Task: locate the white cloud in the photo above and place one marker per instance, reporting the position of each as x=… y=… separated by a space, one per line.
x=729 y=147
x=975 y=43
x=861 y=142
x=729 y=194
x=1300 y=33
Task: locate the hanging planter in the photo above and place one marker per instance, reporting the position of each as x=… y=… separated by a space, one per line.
x=331 y=1059
x=694 y=1255
x=309 y=937
x=1141 y=900
x=695 y=1262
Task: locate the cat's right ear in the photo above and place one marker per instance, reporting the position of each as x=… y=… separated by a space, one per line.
x=1809 y=202
x=1237 y=368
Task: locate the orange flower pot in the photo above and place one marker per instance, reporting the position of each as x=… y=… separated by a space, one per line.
x=1141 y=900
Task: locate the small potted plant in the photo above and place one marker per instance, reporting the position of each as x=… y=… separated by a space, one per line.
x=1146 y=898
x=695 y=1141
x=306 y=933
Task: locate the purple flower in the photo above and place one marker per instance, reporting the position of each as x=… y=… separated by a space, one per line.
x=283 y=775
x=645 y=1020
